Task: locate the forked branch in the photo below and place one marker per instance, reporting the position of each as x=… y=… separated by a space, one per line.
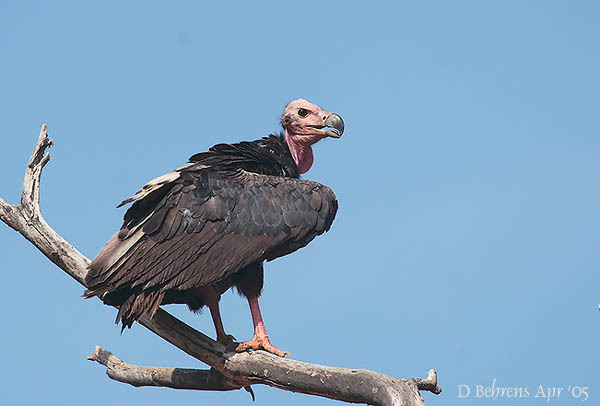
x=235 y=370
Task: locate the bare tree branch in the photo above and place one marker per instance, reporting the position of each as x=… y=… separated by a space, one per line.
x=236 y=370
x=26 y=217
x=177 y=378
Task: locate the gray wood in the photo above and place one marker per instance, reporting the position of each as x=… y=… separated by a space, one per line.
x=176 y=378
x=235 y=370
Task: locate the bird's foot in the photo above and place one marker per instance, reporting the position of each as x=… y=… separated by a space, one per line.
x=260 y=342
x=227 y=340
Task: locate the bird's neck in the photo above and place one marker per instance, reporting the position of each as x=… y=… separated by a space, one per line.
x=301 y=152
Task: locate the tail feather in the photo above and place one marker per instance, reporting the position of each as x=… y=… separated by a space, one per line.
x=137 y=305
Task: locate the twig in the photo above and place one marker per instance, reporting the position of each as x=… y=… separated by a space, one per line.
x=237 y=369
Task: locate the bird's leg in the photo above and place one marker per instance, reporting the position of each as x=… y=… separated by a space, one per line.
x=249 y=282
x=222 y=337
x=260 y=341
x=211 y=298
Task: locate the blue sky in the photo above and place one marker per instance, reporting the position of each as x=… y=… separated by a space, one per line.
x=467 y=178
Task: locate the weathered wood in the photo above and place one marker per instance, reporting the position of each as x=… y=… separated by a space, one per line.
x=26 y=217
x=349 y=385
x=176 y=378
x=238 y=369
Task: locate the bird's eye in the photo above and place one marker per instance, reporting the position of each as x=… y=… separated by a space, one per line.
x=303 y=112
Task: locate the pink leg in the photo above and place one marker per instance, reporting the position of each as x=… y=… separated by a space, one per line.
x=222 y=337
x=260 y=341
x=211 y=299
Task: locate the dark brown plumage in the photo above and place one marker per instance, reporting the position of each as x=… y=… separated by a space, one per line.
x=193 y=233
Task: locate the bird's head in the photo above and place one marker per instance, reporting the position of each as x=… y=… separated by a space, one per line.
x=305 y=124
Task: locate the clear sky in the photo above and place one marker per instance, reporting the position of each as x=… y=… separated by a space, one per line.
x=467 y=237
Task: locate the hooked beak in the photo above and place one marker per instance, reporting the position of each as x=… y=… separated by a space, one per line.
x=334 y=126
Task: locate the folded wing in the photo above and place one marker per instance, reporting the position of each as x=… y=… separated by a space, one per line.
x=198 y=225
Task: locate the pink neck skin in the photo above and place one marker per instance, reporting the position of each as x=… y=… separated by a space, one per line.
x=300 y=147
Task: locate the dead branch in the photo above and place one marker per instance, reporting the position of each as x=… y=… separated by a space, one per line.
x=235 y=370
x=177 y=378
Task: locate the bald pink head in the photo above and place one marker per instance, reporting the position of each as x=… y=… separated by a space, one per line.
x=305 y=124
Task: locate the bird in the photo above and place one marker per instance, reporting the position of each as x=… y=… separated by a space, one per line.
x=208 y=226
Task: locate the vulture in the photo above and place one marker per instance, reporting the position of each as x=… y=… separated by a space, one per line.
x=193 y=233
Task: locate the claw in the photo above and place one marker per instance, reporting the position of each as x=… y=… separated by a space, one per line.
x=249 y=390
